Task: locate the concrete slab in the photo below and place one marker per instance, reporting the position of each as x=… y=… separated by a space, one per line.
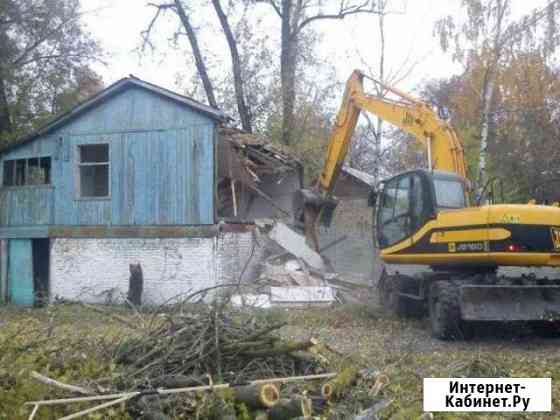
x=281 y=295
x=295 y=244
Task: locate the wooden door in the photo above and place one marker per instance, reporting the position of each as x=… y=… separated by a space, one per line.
x=20 y=272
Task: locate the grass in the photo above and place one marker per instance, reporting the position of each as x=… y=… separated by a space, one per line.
x=73 y=344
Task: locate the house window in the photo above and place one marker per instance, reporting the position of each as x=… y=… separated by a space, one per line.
x=32 y=171
x=93 y=170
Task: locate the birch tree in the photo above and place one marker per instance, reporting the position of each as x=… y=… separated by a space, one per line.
x=489 y=32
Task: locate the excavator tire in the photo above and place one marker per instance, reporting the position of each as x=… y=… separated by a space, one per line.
x=445 y=312
x=392 y=303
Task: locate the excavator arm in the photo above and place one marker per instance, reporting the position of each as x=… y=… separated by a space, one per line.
x=444 y=149
x=415 y=117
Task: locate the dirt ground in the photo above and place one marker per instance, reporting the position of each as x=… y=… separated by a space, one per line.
x=71 y=343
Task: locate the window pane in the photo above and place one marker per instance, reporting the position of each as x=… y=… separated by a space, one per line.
x=93 y=153
x=46 y=169
x=388 y=201
x=94 y=181
x=402 y=204
x=20 y=172
x=34 y=173
x=418 y=212
x=9 y=173
x=396 y=230
x=449 y=194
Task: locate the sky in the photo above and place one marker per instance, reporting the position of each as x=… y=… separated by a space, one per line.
x=348 y=44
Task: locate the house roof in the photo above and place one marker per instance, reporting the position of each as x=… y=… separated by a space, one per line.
x=247 y=157
x=109 y=92
x=360 y=175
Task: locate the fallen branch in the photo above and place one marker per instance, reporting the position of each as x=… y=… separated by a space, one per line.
x=178 y=390
x=72 y=388
x=97 y=408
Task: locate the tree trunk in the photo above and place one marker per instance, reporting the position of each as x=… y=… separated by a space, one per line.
x=244 y=113
x=488 y=94
x=5 y=120
x=135 y=284
x=379 y=129
x=200 y=65
x=287 y=71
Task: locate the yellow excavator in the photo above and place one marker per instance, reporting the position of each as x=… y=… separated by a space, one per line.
x=424 y=218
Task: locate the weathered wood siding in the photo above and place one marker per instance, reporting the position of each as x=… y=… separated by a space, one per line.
x=161 y=167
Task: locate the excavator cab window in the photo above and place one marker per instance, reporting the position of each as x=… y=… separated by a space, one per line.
x=404 y=207
x=450 y=193
x=394 y=221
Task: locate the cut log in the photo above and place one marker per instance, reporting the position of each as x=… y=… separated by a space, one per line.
x=289 y=409
x=334 y=388
x=257 y=395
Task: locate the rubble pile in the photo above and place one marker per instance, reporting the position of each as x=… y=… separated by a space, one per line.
x=291 y=272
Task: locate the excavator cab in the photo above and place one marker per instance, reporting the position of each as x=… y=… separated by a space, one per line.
x=409 y=200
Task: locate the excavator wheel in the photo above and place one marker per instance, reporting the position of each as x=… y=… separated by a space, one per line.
x=392 y=303
x=445 y=312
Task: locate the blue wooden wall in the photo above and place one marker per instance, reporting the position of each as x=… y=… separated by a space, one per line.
x=161 y=171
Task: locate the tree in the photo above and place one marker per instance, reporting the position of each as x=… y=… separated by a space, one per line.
x=489 y=33
x=44 y=51
x=295 y=16
x=524 y=154
x=177 y=7
x=244 y=113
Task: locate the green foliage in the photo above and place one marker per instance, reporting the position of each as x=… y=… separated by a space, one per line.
x=68 y=343
x=311 y=137
x=45 y=62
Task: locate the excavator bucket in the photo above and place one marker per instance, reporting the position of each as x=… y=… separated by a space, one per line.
x=308 y=208
x=510 y=303
x=321 y=208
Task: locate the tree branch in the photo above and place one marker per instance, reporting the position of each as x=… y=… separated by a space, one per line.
x=275 y=7
x=342 y=13
x=145 y=34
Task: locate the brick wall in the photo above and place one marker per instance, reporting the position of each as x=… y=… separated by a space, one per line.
x=97 y=270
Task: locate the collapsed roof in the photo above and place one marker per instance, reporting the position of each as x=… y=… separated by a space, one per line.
x=253 y=162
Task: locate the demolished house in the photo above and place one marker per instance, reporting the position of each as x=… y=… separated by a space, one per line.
x=255 y=179
x=137 y=174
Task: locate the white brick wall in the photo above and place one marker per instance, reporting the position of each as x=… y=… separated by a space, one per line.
x=84 y=269
x=95 y=270
x=234 y=251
